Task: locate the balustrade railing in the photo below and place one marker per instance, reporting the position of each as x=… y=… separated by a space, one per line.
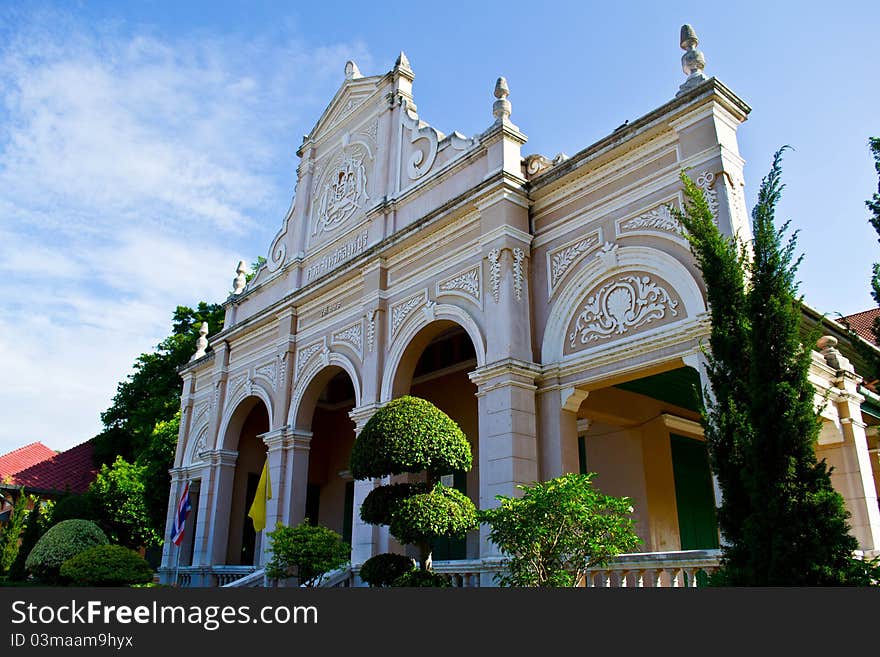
x=686 y=568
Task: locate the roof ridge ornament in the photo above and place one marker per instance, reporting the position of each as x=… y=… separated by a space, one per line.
x=240 y=280
x=692 y=61
x=202 y=342
x=352 y=72
x=501 y=108
x=402 y=61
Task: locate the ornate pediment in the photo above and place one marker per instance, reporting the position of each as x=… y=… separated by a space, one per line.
x=350 y=96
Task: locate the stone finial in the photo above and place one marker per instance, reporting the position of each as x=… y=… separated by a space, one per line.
x=692 y=61
x=827 y=346
x=202 y=342
x=402 y=61
x=352 y=71
x=501 y=108
x=240 y=280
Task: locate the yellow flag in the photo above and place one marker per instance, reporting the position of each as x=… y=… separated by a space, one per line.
x=264 y=492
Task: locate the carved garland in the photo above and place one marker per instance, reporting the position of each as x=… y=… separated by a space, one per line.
x=518 y=257
x=659 y=218
x=467 y=282
x=627 y=303
x=402 y=310
x=495 y=272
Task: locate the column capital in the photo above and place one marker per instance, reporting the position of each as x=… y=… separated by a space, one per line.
x=298 y=439
x=361 y=414
x=509 y=371
x=221 y=457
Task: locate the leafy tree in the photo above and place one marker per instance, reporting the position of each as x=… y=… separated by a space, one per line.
x=34 y=528
x=255 y=267
x=411 y=435
x=558 y=530
x=10 y=532
x=874 y=206
x=783 y=522
x=306 y=552
x=151 y=394
x=155 y=461
x=118 y=496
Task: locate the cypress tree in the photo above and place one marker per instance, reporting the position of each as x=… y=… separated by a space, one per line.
x=783 y=522
x=874 y=206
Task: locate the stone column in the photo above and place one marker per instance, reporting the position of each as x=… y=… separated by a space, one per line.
x=300 y=442
x=364 y=537
x=222 y=464
x=557 y=411
x=286 y=357
x=275 y=455
x=508 y=449
x=853 y=475
x=169 y=557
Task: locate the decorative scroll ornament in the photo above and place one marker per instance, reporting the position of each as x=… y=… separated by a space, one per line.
x=402 y=310
x=619 y=306
x=343 y=194
x=353 y=336
x=420 y=162
x=562 y=260
x=518 y=257
x=495 y=272
x=659 y=219
x=706 y=182
x=467 y=283
x=371 y=331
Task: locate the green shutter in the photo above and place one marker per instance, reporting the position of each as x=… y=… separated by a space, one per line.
x=694 y=495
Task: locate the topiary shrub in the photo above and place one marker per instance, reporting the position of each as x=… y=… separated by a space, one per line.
x=383 y=569
x=411 y=435
x=106 y=565
x=423 y=578
x=61 y=542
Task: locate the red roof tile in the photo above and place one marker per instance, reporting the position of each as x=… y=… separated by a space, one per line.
x=862 y=322
x=22 y=458
x=72 y=470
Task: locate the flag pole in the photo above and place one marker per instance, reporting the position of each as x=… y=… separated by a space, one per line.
x=177 y=565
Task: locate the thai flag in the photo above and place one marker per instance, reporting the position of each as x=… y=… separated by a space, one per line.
x=183 y=509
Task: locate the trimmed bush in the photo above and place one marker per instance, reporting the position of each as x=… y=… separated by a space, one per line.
x=380 y=503
x=383 y=569
x=306 y=552
x=61 y=542
x=423 y=578
x=442 y=512
x=106 y=565
x=409 y=434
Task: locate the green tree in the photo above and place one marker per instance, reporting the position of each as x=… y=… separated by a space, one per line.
x=306 y=552
x=11 y=531
x=35 y=527
x=874 y=206
x=558 y=530
x=782 y=520
x=118 y=496
x=156 y=459
x=151 y=394
x=411 y=435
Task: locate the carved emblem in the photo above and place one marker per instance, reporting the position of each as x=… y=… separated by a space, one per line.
x=344 y=193
x=617 y=307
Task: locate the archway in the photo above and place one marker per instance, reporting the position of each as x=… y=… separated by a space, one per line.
x=435 y=365
x=248 y=422
x=326 y=497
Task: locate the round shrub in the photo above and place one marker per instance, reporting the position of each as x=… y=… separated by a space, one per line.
x=380 y=502
x=423 y=578
x=106 y=565
x=384 y=569
x=442 y=512
x=61 y=542
x=409 y=434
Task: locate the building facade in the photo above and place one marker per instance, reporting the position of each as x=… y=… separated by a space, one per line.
x=549 y=305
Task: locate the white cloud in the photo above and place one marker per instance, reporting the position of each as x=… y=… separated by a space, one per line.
x=135 y=172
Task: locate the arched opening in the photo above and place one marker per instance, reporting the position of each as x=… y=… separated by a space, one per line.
x=328 y=497
x=435 y=366
x=251 y=419
x=643 y=439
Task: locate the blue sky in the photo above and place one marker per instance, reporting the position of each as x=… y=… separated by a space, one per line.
x=146 y=147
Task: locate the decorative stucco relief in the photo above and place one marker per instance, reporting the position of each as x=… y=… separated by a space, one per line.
x=706 y=182
x=518 y=257
x=305 y=354
x=659 y=219
x=495 y=273
x=466 y=284
x=623 y=305
x=403 y=309
x=268 y=371
x=561 y=259
x=342 y=190
x=352 y=336
x=371 y=331
x=421 y=161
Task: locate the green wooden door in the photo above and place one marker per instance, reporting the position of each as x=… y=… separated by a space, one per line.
x=694 y=496
x=444 y=549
